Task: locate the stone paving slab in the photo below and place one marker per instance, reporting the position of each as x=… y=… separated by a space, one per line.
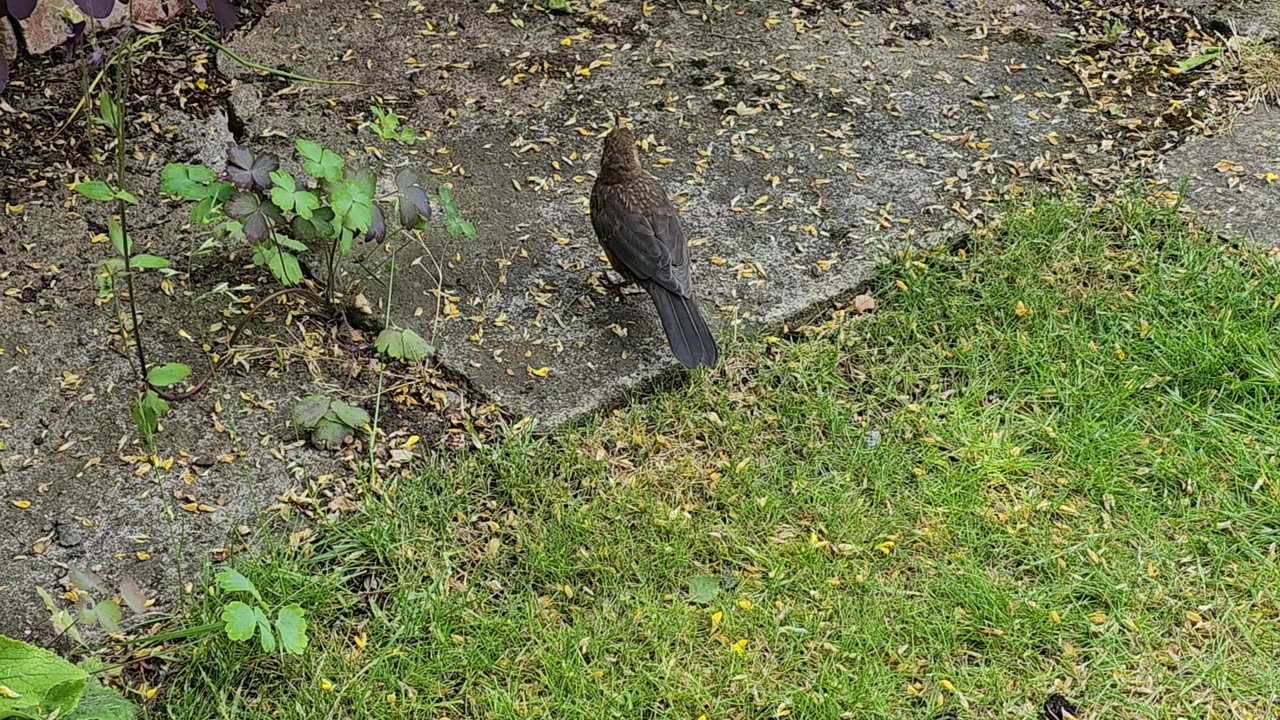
x=1232 y=179
x=797 y=155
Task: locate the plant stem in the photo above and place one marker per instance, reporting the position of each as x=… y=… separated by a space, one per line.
x=377 y=398
x=124 y=71
x=263 y=68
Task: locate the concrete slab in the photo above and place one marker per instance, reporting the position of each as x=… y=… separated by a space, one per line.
x=1233 y=178
x=800 y=145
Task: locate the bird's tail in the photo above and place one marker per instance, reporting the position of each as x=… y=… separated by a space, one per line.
x=687 y=333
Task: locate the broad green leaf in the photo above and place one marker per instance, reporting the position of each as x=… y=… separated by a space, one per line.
x=283 y=181
x=108 y=614
x=308 y=411
x=238 y=621
x=107 y=114
x=403 y=344
x=286 y=241
x=293 y=629
x=283 y=264
x=349 y=415
x=102 y=703
x=188 y=181
x=148 y=262
x=146 y=413
x=1196 y=61
x=456 y=226
x=320 y=163
x=703 y=589
x=287 y=196
x=446 y=200
x=94 y=190
x=167 y=374
x=38 y=683
x=330 y=433
x=231 y=580
x=264 y=630
x=118 y=240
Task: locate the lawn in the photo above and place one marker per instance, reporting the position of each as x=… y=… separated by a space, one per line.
x=1047 y=462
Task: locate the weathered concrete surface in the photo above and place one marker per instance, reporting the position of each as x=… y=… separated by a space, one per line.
x=1232 y=179
x=853 y=135
x=1251 y=18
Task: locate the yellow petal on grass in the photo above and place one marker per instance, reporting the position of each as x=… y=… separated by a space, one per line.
x=739 y=647
x=886 y=547
x=21 y=504
x=716 y=618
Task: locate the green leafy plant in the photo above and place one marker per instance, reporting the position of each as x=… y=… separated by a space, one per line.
x=95 y=604
x=387 y=126
x=454 y=224
x=148 y=405
x=35 y=683
x=328 y=422
x=241 y=620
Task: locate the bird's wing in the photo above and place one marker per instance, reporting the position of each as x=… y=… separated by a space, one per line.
x=648 y=243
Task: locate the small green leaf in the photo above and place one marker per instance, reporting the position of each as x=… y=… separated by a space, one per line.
x=1196 y=61
x=168 y=374
x=330 y=433
x=403 y=344
x=232 y=580
x=118 y=240
x=293 y=629
x=148 y=262
x=94 y=190
x=308 y=411
x=107 y=114
x=320 y=163
x=108 y=615
x=238 y=621
x=446 y=200
x=264 y=630
x=188 y=181
x=126 y=196
x=349 y=415
x=283 y=264
x=703 y=589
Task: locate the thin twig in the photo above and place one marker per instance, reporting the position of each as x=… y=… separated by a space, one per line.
x=263 y=68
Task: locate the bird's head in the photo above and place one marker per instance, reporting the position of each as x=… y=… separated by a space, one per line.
x=620 y=146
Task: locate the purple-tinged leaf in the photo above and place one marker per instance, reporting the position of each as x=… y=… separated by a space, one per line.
x=255 y=216
x=21 y=9
x=249 y=171
x=224 y=12
x=133 y=595
x=411 y=200
x=4 y=72
x=85 y=580
x=97 y=8
x=377 y=225
x=202 y=4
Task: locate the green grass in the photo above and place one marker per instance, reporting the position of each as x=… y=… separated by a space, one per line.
x=1076 y=487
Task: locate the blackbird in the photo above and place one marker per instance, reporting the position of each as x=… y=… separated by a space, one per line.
x=637 y=226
